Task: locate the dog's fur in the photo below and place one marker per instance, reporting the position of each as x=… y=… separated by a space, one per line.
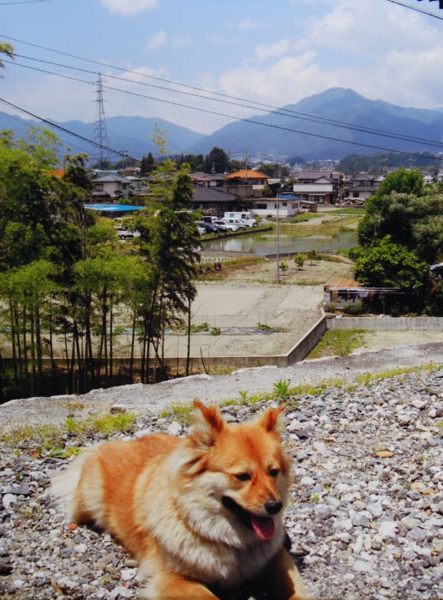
x=201 y=514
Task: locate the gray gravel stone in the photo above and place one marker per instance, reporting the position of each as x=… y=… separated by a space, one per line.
x=366 y=506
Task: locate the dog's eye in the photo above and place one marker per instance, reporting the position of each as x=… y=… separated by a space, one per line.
x=243 y=476
x=274 y=472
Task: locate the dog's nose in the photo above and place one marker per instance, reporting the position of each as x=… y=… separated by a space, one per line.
x=273 y=507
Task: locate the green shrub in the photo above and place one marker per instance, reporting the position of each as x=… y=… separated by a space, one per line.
x=355 y=309
x=299 y=260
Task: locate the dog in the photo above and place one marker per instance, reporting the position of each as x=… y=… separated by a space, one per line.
x=203 y=515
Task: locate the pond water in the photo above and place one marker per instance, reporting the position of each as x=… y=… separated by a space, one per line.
x=266 y=243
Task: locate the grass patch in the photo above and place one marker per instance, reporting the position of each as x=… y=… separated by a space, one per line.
x=368 y=378
x=50 y=439
x=284 y=392
x=231 y=266
x=113 y=423
x=338 y=342
x=304 y=217
x=181 y=411
x=347 y=210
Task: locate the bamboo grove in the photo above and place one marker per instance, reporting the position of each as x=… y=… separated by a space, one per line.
x=70 y=290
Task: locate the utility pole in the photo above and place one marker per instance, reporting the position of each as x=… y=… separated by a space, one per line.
x=100 y=131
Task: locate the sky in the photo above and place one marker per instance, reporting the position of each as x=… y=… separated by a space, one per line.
x=204 y=63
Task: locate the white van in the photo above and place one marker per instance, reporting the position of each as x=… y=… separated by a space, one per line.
x=244 y=217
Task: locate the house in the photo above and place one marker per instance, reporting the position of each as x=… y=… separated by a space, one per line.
x=283 y=206
x=110 y=186
x=320 y=191
x=246 y=183
x=361 y=186
x=317 y=185
x=212 y=200
x=311 y=175
x=209 y=180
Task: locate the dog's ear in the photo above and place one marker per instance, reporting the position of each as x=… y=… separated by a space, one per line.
x=208 y=423
x=273 y=420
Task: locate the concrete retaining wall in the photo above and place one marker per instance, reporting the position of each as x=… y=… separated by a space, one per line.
x=387 y=323
x=303 y=347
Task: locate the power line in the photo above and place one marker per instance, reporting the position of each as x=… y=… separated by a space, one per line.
x=414 y=8
x=256 y=106
x=220 y=114
x=24 y=2
x=64 y=129
x=219 y=97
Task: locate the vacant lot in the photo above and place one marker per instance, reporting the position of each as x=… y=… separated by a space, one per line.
x=258 y=317
x=255 y=315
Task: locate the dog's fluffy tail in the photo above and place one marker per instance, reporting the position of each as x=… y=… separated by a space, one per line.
x=65 y=481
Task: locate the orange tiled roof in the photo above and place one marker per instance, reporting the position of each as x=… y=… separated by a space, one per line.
x=246 y=174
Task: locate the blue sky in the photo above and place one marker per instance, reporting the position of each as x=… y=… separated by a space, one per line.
x=272 y=52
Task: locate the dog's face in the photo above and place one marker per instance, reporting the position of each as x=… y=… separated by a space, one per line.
x=238 y=477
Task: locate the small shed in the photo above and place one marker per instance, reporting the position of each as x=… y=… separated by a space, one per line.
x=340 y=292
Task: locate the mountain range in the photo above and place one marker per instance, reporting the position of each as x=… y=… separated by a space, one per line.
x=329 y=125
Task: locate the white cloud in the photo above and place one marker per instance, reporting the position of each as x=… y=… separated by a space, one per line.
x=247 y=24
x=129 y=7
x=158 y=40
x=382 y=52
x=280 y=48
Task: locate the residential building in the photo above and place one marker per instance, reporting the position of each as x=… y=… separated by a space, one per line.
x=246 y=183
x=283 y=206
x=319 y=191
x=361 y=186
x=110 y=187
x=213 y=200
x=212 y=180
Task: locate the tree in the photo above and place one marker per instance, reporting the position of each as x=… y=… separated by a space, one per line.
x=376 y=221
x=6 y=49
x=217 y=161
x=169 y=244
x=388 y=264
x=274 y=170
x=147 y=164
x=411 y=217
x=25 y=292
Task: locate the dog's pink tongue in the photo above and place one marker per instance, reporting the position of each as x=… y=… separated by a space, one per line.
x=264 y=527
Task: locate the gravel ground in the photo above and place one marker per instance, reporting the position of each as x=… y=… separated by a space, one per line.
x=367 y=502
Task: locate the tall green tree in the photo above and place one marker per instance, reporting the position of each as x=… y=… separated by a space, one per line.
x=401 y=236
x=380 y=208
x=169 y=244
x=217 y=161
x=147 y=164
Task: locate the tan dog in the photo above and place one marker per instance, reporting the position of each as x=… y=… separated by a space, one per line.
x=202 y=514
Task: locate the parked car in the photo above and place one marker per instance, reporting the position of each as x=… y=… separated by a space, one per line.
x=234 y=224
x=208 y=227
x=126 y=234
x=219 y=225
x=201 y=230
x=243 y=217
